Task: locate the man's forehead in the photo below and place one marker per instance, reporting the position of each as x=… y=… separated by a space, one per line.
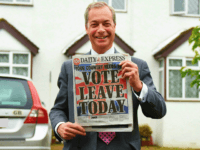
x=102 y=13
x=101 y=20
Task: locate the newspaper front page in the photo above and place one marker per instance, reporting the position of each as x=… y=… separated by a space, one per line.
x=102 y=99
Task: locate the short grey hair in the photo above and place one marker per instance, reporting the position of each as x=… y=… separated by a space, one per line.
x=98 y=5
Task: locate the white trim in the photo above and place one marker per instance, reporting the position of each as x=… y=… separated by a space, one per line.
x=16 y=2
x=73 y=41
x=11 y=62
x=167 y=41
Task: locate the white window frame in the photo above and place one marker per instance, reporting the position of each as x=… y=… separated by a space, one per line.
x=11 y=65
x=117 y=10
x=183 y=13
x=183 y=98
x=161 y=69
x=15 y=2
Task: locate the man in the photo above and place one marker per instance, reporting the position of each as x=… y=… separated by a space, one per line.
x=100 y=26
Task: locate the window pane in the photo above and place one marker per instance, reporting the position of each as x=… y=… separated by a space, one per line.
x=4 y=58
x=189 y=63
x=193 y=6
x=20 y=71
x=175 y=84
x=190 y=92
x=103 y=1
x=118 y=4
x=12 y=93
x=161 y=82
x=20 y=58
x=161 y=63
x=4 y=70
x=179 y=5
x=175 y=62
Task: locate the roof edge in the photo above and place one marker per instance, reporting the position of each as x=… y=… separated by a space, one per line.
x=4 y=24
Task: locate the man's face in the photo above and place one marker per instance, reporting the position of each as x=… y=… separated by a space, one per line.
x=100 y=29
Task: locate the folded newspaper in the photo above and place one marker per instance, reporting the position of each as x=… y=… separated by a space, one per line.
x=102 y=99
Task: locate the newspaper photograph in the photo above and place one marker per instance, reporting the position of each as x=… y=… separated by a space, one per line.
x=102 y=99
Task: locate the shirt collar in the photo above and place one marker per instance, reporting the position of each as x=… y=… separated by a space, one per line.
x=110 y=51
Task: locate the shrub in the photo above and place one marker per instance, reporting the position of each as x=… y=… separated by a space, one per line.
x=145 y=131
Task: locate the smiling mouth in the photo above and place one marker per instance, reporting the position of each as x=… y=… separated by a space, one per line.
x=101 y=37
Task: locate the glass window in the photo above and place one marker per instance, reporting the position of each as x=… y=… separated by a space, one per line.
x=193 y=6
x=12 y=93
x=179 y=88
x=190 y=92
x=4 y=70
x=4 y=58
x=20 y=71
x=179 y=5
x=118 y=4
x=175 y=83
x=175 y=62
x=161 y=86
x=20 y=58
x=18 y=65
x=189 y=63
x=161 y=63
x=186 y=7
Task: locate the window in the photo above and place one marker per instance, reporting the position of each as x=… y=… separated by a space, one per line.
x=12 y=63
x=186 y=7
x=118 y=5
x=17 y=2
x=161 y=77
x=179 y=88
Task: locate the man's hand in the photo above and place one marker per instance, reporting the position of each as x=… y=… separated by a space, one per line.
x=69 y=130
x=130 y=71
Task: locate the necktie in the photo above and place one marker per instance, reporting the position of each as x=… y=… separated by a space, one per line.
x=107 y=137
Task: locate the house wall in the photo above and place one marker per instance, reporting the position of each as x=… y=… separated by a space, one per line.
x=184 y=50
x=53 y=25
x=6 y=40
x=181 y=125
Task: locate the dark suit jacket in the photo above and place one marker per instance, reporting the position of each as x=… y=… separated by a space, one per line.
x=153 y=106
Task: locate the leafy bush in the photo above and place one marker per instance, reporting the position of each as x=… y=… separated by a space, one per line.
x=195 y=40
x=145 y=131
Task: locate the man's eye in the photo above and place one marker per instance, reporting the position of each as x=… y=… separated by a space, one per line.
x=93 y=25
x=107 y=24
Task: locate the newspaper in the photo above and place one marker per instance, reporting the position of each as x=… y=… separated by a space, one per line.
x=102 y=99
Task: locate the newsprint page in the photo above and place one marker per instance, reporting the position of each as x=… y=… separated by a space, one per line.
x=102 y=99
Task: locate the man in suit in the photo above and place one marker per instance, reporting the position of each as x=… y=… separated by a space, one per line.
x=100 y=26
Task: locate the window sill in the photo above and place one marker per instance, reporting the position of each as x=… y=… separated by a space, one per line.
x=182 y=100
x=182 y=15
x=120 y=11
x=27 y=5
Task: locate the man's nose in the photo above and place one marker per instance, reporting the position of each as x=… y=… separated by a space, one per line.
x=101 y=29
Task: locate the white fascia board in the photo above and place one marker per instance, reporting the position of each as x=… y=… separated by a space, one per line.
x=167 y=41
x=73 y=41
